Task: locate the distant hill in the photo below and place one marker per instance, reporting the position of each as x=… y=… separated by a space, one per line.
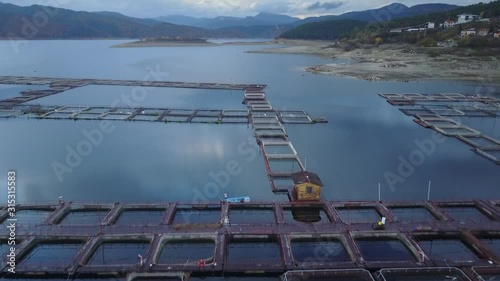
x=68 y=24
x=432 y=36
x=259 y=31
x=395 y=11
x=325 y=30
x=263 y=25
x=269 y=18
x=181 y=20
x=172 y=30
x=149 y=22
x=487 y=10
x=268 y=25
x=353 y=32
x=222 y=22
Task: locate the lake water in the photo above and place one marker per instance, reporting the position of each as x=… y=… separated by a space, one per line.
x=147 y=162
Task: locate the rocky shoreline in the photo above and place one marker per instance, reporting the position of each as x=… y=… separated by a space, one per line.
x=399 y=62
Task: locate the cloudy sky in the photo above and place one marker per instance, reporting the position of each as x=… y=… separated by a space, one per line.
x=210 y=8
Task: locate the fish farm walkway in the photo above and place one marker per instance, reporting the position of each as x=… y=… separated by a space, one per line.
x=442 y=113
x=145 y=114
x=59 y=85
x=281 y=158
x=73 y=83
x=275 y=237
x=325 y=240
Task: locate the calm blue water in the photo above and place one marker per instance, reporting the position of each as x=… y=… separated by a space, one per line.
x=451 y=249
x=413 y=215
x=164 y=162
x=140 y=217
x=118 y=253
x=384 y=250
x=253 y=216
x=256 y=251
x=61 y=255
x=11 y=91
x=319 y=251
x=154 y=97
x=360 y=215
x=181 y=252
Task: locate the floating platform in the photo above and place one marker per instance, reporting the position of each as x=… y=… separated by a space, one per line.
x=290 y=238
x=267 y=123
x=451 y=110
x=73 y=83
x=259 y=109
x=440 y=273
x=436 y=112
x=59 y=85
x=347 y=274
x=271 y=134
x=414 y=98
x=165 y=115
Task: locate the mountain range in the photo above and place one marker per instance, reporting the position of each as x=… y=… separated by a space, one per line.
x=389 y=12
x=358 y=31
x=395 y=10
x=17 y=21
x=262 y=19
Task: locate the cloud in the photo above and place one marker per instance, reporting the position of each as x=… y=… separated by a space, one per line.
x=326 y=5
x=278 y=7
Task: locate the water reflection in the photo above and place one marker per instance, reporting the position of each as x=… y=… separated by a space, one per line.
x=152 y=162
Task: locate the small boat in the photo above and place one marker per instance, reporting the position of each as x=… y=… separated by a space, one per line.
x=243 y=199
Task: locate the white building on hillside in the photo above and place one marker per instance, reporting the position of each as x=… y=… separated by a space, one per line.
x=465 y=18
x=449 y=23
x=483 y=32
x=468 y=32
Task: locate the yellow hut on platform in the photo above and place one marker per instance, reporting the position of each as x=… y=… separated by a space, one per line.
x=307 y=186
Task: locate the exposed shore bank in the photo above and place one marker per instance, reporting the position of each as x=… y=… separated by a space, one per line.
x=398 y=62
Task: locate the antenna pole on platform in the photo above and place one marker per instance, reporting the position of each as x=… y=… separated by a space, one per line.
x=379 y=192
x=429 y=192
